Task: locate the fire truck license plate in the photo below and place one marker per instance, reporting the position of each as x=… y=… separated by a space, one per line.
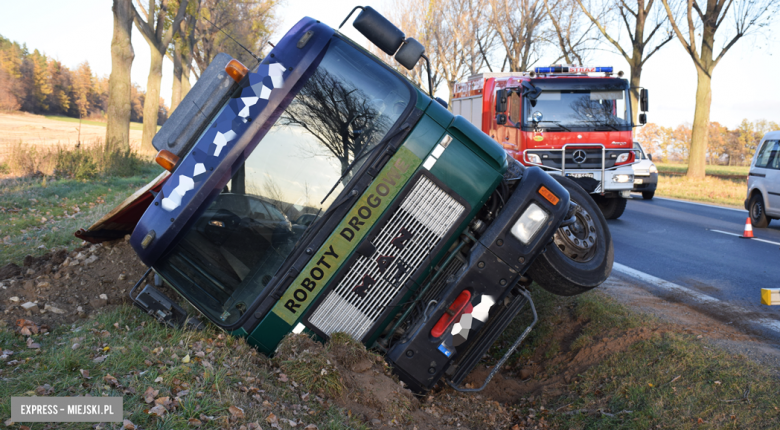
x=580 y=175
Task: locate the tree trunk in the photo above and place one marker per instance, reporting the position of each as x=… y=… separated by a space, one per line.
x=119 y=83
x=177 y=74
x=636 y=77
x=152 y=100
x=701 y=120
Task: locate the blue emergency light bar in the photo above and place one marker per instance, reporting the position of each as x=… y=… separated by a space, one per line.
x=573 y=69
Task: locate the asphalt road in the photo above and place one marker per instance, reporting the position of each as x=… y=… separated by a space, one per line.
x=675 y=241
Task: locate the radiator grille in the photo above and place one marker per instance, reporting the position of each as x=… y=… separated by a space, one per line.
x=427 y=213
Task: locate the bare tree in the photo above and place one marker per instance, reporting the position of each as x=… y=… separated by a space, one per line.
x=571 y=35
x=119 y=84
x=250 y=22
x=646 y=32
x=701 y=22
x=152 y=26
x=181 y=54
x=338 y=114
x=517 y=23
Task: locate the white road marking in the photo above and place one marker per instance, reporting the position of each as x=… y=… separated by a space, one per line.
x=670 y=286
x=700 y=204
x=739 y=235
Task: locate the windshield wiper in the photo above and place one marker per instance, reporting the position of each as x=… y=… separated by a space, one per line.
x=608 y=125
x=558 y=123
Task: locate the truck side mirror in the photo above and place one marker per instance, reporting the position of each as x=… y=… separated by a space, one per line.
x=500 y=119
x=411 y=52
x=642 y=118
x=379 y=30
x=643 y=100
x=501 y=98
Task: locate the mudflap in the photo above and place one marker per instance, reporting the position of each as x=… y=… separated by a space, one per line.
x=123 y=218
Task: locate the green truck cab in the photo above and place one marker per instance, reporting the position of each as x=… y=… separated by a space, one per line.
x=323 y=192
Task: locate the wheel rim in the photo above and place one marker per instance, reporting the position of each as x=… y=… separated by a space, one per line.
x=578 y=241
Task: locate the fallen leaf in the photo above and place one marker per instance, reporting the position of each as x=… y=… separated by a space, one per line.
x=128 y=425
x=311 y=427
x=271 y=419
x=236 y=412
x=158 y=410
x=158 y=379
x=717 y=382
x=283 y=377
x=158 y=350
x=110 y=380
x=164 y=401
x=100 y=359
x=9 y=423
x=701 y=421
x=85 y=374
x=183 y=393
x=205 y=418
x=254 y=426
x=194 y=422
x=186 y=359
x=32 y=345
x=150 y=394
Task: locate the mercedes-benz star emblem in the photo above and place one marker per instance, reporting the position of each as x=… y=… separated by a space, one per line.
x=579 y=156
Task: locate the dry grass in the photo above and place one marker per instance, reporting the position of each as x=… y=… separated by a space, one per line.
x=42 y=131
x=726 y=192
x=710 y=170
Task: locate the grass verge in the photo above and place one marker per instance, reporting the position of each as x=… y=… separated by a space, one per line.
x=710 y=170
x=664 y=379
x=38 y=214
x=726 y=192
x=170 y=379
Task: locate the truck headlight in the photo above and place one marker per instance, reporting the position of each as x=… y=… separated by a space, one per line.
x=529 y=223
x=623 y=178
x=653 y=169
x=533 y=158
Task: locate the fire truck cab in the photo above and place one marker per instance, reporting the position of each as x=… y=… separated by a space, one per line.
x=572 y=121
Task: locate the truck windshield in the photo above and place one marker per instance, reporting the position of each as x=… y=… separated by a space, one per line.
x=579 y=109
x=231 y=252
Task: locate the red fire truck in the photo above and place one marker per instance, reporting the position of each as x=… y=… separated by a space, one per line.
x=572 y=121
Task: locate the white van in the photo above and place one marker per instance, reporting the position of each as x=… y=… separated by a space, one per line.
x=763 y=193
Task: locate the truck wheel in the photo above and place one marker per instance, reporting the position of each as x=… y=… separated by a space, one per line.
x=758 y=211
x=612 y=208
x=581 y=255
x=648 y=195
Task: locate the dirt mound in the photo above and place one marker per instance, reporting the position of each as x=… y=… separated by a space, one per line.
x=62 y=287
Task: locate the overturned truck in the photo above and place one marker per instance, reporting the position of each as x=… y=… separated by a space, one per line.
x=323 y=192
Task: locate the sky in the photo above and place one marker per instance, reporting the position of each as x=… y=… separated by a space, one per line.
x=745 y=83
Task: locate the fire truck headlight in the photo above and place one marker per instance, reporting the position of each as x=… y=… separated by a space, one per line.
x=529 y=223
x=622 y=158
x=623 y=178
x=533 y=158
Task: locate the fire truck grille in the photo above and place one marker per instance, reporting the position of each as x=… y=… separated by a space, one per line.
x=419 y=223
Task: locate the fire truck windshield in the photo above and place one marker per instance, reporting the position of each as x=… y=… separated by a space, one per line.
x=580 y=110
x=232 y=251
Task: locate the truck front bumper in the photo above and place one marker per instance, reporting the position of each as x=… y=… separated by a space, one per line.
x=495 y=265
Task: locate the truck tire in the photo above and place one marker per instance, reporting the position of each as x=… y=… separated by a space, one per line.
x=757 y=211
x=612 y=208
x=566 y=267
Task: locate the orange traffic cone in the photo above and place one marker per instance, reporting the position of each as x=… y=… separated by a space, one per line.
x=748 y=230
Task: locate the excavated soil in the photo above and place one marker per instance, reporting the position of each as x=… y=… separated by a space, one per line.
x=62 y=287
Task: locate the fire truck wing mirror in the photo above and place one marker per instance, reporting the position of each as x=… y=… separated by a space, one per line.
x=500 y=119
x=530 y=91
x=379 y=31
x=642 y=118
x=643 y=100
x=501 y=97
x=410 y=53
